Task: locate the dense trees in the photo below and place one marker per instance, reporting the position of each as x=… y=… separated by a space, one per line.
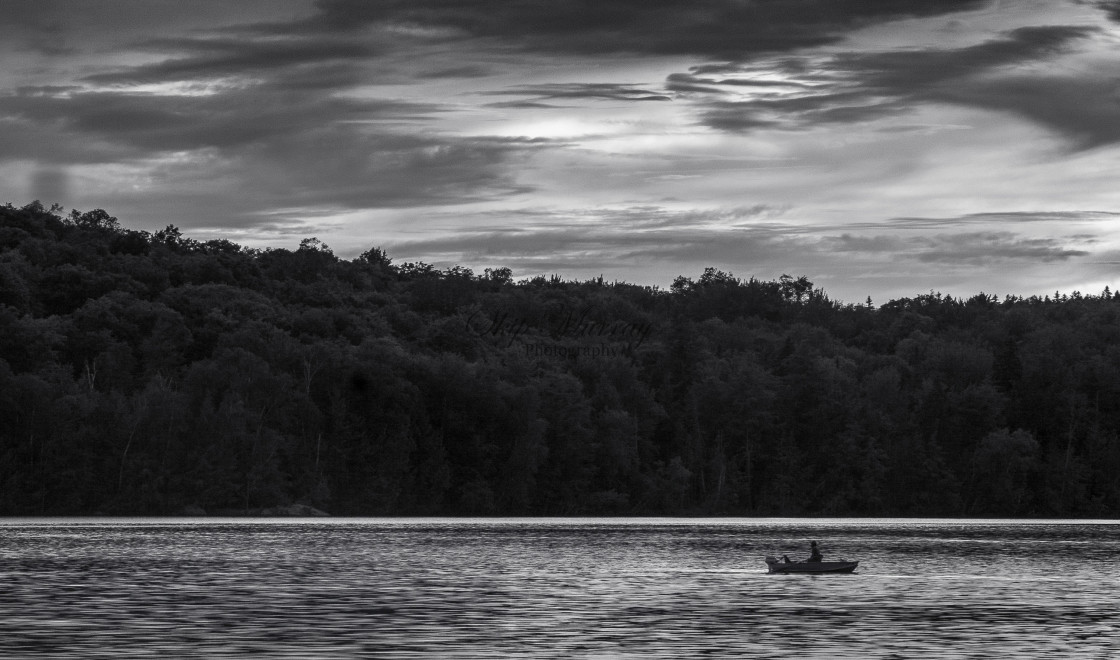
x=144 y=373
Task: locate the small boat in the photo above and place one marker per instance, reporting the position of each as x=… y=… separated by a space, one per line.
x=778 y=566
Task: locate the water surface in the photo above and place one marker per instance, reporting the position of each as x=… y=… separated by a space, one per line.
x=555 y=588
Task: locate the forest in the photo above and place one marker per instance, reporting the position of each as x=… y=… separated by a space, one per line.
x=153 y=374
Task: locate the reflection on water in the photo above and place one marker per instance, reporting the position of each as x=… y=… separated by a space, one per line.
x=390 y=588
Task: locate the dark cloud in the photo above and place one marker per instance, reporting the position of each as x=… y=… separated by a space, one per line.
x=800 y=111
x=690 y=82
x=967 y=248
x=339 y=168
x=685 y=84
x=46 y=90
x=868 y=244
x=465 y=71
x=145 y=123
x=520 y=105
x=736 y=117
x=854 y=87
x=243 y=57
x=723 y=29
x=634 y=236
x=574 y=241
x=325 y=172
x=1087 y=111
x=982 y=248
x=1112 y=8
x=576 y=248
x=918 y=69
x=1007 y=217
x=289 y=149
x=868 y=234
x=602 y=91
x=36 y=27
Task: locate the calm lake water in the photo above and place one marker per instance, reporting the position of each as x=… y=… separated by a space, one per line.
x=555 y=588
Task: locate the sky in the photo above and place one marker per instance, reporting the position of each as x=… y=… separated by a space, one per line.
x=882 y=148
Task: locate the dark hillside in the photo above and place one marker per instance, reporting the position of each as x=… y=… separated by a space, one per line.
x=145 y=373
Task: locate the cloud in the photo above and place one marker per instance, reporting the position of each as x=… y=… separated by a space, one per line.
x=858 y=87
x=691 y=82
x=289 y=149
x=339 y=168
x=275 y=111
x=598 y=91
x=576 y=249
x=237 y=56
x=917 y=69
x=1085 y=110
x=465 y=71
x=244 y=97
x=643 y=239
x=1112 y=8
x=1012 y=218
x=146 y=123
x=723 y=29
x=970 y=248
x=575 y=239
x=984 y=248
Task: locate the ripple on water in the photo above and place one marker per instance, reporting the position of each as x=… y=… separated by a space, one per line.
x=533 y=588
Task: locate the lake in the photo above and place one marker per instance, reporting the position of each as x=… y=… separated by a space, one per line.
x=555 y=588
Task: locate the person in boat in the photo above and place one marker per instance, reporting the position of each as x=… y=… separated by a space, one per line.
x=815 y=555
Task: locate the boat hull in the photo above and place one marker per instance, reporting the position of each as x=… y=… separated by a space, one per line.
x=812 y=566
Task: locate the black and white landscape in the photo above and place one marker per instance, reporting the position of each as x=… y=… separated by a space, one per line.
x=559 y=328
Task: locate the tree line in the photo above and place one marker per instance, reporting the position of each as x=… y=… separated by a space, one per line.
x=150 y=373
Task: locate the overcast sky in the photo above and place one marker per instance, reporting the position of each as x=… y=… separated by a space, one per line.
x=882 y=148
